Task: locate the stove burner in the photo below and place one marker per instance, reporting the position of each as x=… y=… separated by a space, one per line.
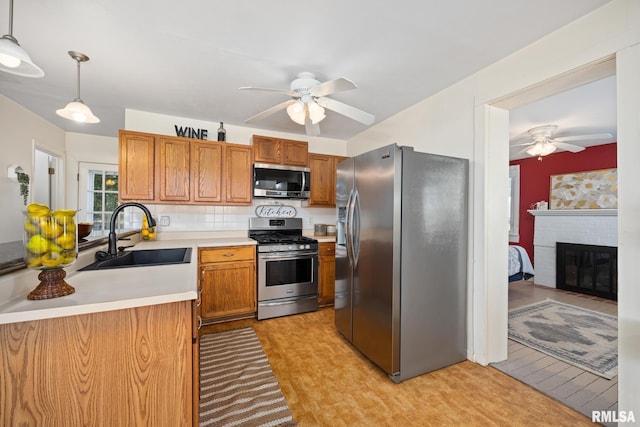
x=280 y=235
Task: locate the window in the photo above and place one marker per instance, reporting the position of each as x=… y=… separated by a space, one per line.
x=98 y=194
x=514 y=203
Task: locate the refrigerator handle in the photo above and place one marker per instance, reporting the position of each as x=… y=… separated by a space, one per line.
x=355 y=228
x=349 y=238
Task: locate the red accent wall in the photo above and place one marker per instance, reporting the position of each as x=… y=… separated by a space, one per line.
x=535 y=179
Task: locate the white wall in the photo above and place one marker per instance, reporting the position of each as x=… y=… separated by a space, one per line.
x=20 y=131
x=460 y=122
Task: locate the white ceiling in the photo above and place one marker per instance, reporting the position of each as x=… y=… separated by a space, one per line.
x=586 y=110
x=189 y=58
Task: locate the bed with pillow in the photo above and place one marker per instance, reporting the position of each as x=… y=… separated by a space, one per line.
x=520 y=267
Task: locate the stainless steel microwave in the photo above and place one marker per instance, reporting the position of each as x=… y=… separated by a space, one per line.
x=281 y=181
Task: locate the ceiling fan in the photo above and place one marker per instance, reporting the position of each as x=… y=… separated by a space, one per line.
x=309 y=100
x=542 y=143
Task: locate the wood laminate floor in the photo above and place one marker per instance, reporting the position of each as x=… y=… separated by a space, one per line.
x=326 y=382
x=575 y=387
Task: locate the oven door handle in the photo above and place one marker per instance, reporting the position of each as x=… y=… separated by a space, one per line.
x=287 y=255
x=281 y=302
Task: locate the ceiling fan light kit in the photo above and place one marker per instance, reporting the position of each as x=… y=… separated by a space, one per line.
x=77 y=110
x=309 y=101
x=13 y=58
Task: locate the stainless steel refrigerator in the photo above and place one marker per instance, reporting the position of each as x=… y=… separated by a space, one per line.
x=401 y=259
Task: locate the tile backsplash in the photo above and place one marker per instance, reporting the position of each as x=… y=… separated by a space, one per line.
x=222 y=218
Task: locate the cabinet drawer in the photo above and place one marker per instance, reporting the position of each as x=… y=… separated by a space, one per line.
x=226 y=254
x=326 y=248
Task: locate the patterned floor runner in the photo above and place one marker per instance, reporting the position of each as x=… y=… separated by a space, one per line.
x=237 y=386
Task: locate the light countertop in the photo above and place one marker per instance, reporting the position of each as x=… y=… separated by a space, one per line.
x=112 y=289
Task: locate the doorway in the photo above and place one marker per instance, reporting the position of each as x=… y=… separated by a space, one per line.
x=534 y=368
x=47 y=179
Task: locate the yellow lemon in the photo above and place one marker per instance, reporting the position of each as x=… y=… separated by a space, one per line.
x=50 y=228
x=33 y=261
x=37 y=210
x=31 y=228
x=37 y=244
x=64 y=216
x=68 y=257
x=51 y=259
x=67 y=240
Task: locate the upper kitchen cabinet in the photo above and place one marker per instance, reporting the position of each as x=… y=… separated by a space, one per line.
x=238 y=173
x=206 y=172
x=323 y=179
x=174 y=167
x=183 y=170
x=136 y=166
x=268 y=149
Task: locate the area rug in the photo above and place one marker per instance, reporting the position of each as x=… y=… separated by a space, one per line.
x=583 y=338
x=237 y=385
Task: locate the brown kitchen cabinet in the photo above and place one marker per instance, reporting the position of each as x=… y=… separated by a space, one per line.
x=326 y=273
x=170 y=170
x=136 y=166
x=323 y=179
x=267 y=149
x=131 y=367
x=238 y=174
x=227 y=284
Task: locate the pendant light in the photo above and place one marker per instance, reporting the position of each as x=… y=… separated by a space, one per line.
x=13 y=58
x=77 y=110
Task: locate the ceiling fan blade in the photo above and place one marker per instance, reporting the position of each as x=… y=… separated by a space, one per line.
x=568 y=147
x=270 y=111
x=266 y=89
x=346 y=110
x=523 y=144
x=311 y=128
x=582 y=137
x=332 y=86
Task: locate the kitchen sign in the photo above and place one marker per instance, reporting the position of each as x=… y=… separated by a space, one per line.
x=275 y=211
x=191 y=132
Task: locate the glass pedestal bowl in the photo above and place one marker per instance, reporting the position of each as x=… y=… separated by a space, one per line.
x=50 y=244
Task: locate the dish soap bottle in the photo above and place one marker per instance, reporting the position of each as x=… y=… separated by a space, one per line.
x=222 y=133
x=148 y=233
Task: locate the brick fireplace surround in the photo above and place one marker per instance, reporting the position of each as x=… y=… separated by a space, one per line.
x=583 y=226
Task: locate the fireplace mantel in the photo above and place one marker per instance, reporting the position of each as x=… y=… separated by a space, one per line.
x=573 y=212
x=580 y=226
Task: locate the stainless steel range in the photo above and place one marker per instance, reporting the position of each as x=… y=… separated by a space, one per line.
x=287 y=267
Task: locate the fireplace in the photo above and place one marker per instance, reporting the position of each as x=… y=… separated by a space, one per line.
x=587 y=269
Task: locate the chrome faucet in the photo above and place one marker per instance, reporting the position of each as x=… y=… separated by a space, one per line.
x=112 y=228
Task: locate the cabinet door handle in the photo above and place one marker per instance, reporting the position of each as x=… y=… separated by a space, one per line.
x=228 y=255
x=199 y=298
x=199 y=322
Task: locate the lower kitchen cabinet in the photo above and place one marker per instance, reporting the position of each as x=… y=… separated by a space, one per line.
x=326 y=273
x=130 y=367
x=227 y=282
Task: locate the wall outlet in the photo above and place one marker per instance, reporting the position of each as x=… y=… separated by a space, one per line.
x=165 y=220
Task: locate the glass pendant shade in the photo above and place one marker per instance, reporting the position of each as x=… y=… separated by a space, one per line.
x=13 y=58
x=541 y=149
x=316 y=113
x=296 y=112
x=78 y=111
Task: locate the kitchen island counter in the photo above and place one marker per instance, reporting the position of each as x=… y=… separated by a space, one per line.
x=111 y=289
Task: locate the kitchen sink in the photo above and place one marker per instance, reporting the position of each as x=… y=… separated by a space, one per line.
x=143 y=258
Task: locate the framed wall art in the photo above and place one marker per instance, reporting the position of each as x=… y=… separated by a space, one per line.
x=596 y=189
